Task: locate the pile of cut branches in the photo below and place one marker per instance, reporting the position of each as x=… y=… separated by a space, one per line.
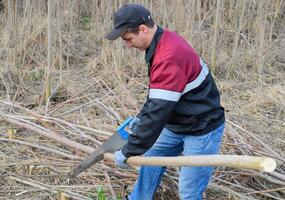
x=45 y=148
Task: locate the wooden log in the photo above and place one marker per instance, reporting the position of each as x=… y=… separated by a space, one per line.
x=243 y=162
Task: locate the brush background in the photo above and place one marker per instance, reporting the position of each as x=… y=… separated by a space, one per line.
x=97 y=83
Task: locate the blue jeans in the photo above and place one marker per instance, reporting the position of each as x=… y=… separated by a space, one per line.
x=192 y=180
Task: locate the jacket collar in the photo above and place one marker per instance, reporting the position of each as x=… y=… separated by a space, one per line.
x=149 y=52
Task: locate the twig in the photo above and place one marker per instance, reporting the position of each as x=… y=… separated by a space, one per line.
x=51 y=135
x=223 y=188
x=108 y=180
x=41 y=147
x=257 y=139
x=263 y=191
x=43 y=186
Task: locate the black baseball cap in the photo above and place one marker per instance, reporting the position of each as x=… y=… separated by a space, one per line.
x=128 y=16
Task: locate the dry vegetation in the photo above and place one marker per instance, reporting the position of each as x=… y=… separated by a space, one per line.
x=96 y=84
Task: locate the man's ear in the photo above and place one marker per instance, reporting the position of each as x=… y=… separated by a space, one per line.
x=143 y=28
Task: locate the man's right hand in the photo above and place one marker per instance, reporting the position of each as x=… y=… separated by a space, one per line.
x=120 y=160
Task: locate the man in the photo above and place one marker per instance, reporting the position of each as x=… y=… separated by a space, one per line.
x=182 y=113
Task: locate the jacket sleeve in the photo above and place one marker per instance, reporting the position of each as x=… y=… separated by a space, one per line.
x=166 y=86
x=152 y=121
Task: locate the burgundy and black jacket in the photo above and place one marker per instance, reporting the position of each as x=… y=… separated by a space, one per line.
x=182 y=97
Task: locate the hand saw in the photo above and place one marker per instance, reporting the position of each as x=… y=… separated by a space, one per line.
x=114 y=143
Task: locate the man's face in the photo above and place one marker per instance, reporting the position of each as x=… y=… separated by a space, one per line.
x=137 y=41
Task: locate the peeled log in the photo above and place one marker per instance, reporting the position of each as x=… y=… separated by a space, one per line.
x=243 y=162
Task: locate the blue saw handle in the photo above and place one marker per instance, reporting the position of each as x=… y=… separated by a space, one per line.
x=121 y=129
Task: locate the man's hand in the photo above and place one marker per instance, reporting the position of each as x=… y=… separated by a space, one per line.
x=120 y=159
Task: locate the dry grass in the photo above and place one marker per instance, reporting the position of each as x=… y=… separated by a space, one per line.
x=97 y=84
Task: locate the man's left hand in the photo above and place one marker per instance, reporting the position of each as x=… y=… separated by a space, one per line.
x=120 y=159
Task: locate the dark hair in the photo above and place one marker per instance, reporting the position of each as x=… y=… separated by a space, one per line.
x=149 y=24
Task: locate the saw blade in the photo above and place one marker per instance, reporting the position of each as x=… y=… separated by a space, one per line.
x=113 y=143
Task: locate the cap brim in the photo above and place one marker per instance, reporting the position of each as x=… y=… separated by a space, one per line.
x=114 y=34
